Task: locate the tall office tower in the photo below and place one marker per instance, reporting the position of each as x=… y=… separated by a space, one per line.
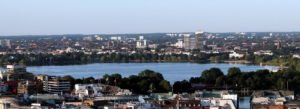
x=186 y=41
x=141 y=42
x=193 y=42
x=145 y=43
x=199 y=38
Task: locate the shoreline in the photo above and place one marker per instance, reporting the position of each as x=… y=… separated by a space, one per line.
x=245 y=62
x=152 y=62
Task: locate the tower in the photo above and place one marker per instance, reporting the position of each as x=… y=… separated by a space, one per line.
x=186 y=41
x=199 y=38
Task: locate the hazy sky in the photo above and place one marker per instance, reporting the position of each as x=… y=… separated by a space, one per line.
x=32 y=17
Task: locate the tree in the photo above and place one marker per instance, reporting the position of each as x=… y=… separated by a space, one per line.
x=233 y=71
x=112 y=79
x=220 y=81
x=182 y=86
x=233 y=74
x=164 y=86
x=196 y=80
x=89 y=80
x=151 y=74
x=210 y=76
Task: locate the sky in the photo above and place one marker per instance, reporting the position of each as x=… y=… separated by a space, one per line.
x=48 y=17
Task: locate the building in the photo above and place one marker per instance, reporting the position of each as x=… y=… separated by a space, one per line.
x=88 y=90
x=8 y=102
x=294 y=104
x=187 y=41
x=17 y=72
x=197 y=42
x=141 y=42
x=236 y=55
x=180 y=104
x=3 y=74
x=98 y=90
x=5 y=43
x=16 y=68
x=193 y=43
x=217 y=103
x=179 y=43
x=46 y=101
x=97 y=37
x=218 y=99
x=296 y=56
x=12 y=87
x=55 y=85
x=199 y=38
x=263 y=52
x=88 y=38
x=197 y=100
x=272 y=99
x=29 y=87
x=116 y=38
x=3 y=88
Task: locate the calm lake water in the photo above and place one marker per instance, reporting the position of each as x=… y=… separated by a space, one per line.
x=171 y=71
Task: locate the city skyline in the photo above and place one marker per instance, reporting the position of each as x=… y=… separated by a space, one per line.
x=149 y=54
x=34 y=17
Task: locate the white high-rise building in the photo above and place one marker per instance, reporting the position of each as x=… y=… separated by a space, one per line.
x=179 y=43
x=141 y=42
x=97 y=37
x=186 y=41
x=141 y=37
x=138 y=44
x=145 y=42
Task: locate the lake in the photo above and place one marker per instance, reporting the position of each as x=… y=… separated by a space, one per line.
x=171 y=71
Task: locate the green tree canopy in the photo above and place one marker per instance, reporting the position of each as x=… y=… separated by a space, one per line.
x=210 y=76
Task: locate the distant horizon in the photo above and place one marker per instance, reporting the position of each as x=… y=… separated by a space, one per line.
x=148 y=33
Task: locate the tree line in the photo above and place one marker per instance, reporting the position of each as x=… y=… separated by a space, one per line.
x=145 y=82
x=149 y=81
x=286 y=79
x=81 y=58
